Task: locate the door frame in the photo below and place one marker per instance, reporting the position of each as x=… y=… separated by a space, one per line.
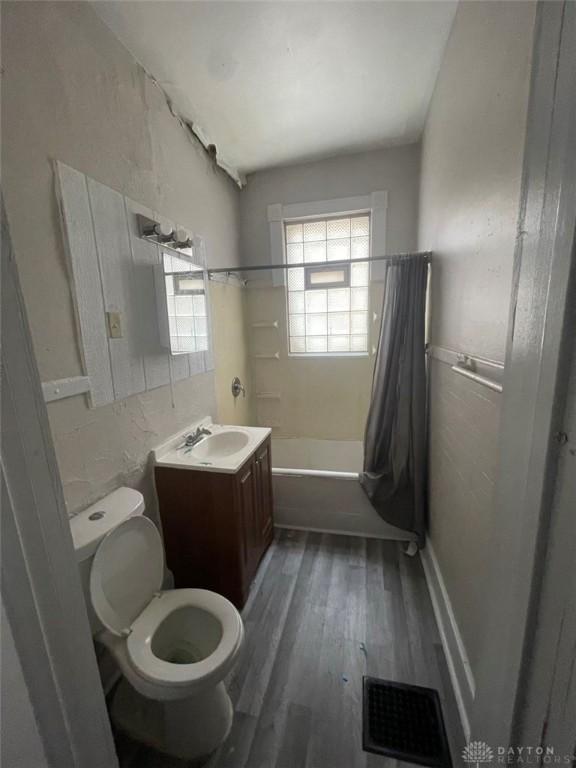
x=535 y=372
x=546 y=712
x=41 y=589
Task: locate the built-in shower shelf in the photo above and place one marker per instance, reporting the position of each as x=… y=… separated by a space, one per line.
x=267 y=355
x=268 y=395
x=270 y=324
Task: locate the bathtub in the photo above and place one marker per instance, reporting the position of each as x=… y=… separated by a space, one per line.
x=316 y=488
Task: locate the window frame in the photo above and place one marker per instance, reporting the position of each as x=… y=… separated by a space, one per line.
x=278 y=214
x=328 y=266
x=309 y=270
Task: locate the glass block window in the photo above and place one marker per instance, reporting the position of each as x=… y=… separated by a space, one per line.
x=328 y=303
x=186 y=298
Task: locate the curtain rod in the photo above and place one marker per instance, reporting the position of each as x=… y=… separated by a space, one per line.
x=340 y=262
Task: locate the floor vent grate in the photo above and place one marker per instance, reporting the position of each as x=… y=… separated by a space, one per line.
x=404 y=722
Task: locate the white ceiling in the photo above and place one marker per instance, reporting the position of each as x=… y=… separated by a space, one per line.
x=272 y=83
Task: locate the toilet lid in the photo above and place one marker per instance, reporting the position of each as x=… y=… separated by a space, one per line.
x=128 y=569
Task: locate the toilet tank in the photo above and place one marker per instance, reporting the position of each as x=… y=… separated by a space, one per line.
x=91 y=525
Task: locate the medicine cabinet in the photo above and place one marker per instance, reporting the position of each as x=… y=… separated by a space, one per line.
x=182 y=301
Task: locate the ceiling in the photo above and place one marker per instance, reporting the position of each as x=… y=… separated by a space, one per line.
x=272 y=83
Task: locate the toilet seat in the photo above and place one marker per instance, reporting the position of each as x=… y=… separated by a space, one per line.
x=127 y=571
x=215 y=665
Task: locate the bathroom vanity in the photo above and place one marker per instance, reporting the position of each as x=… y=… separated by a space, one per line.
x=215 y=501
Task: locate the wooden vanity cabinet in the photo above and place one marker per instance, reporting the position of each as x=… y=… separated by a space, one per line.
x=217 y=525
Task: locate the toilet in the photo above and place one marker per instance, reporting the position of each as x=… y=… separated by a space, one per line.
x=173 y=647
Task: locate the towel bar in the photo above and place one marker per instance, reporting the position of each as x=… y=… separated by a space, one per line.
x=494 y=385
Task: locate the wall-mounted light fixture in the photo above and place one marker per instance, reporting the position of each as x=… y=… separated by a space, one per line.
x=178 y=238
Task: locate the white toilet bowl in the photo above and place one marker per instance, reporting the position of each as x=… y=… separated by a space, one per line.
x=184 y=642
x=174 y=648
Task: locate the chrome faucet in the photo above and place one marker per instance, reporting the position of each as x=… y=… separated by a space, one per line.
x=195 y=438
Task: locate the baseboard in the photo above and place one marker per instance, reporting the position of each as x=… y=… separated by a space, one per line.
x=454 y=650
x=403 y=536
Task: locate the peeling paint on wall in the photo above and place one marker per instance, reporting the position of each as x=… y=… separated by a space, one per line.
x=72 y=92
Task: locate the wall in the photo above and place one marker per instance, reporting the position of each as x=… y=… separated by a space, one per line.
x=71 y=92
x=395 y=170
x=21 y=743
x=325 y=398
x=229 y=307
x=320 y=397
x=469 y=204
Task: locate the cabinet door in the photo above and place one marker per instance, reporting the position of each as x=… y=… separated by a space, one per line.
x=248 y=512
x=264 y=482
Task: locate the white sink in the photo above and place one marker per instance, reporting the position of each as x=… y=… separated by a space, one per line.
x=225 y=449
x=221 y=444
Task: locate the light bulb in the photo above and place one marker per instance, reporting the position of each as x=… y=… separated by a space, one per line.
x=163 y=230
x=183 y=237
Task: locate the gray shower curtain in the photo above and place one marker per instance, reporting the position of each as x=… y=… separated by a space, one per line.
x=394 y=476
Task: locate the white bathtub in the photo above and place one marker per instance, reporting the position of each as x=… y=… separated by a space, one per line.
x=316 y=488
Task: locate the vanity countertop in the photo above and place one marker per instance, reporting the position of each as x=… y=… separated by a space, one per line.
x=225 y=449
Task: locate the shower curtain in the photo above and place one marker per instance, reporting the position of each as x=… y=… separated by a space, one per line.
x=394 y=476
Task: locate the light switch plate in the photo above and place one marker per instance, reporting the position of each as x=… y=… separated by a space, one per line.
x=114 y=325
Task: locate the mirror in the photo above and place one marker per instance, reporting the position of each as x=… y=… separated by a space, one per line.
x=181 y=289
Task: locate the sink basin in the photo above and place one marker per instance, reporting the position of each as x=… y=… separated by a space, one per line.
x=225 y=450
x=221 y=444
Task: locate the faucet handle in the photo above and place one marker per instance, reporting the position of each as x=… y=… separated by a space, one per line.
x=237 y=387
x=193 y=438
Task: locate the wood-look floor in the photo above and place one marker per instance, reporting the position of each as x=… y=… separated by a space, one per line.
x=324 y=611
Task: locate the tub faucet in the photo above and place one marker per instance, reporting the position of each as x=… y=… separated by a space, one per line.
x=237 y=387
x=196 y=437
